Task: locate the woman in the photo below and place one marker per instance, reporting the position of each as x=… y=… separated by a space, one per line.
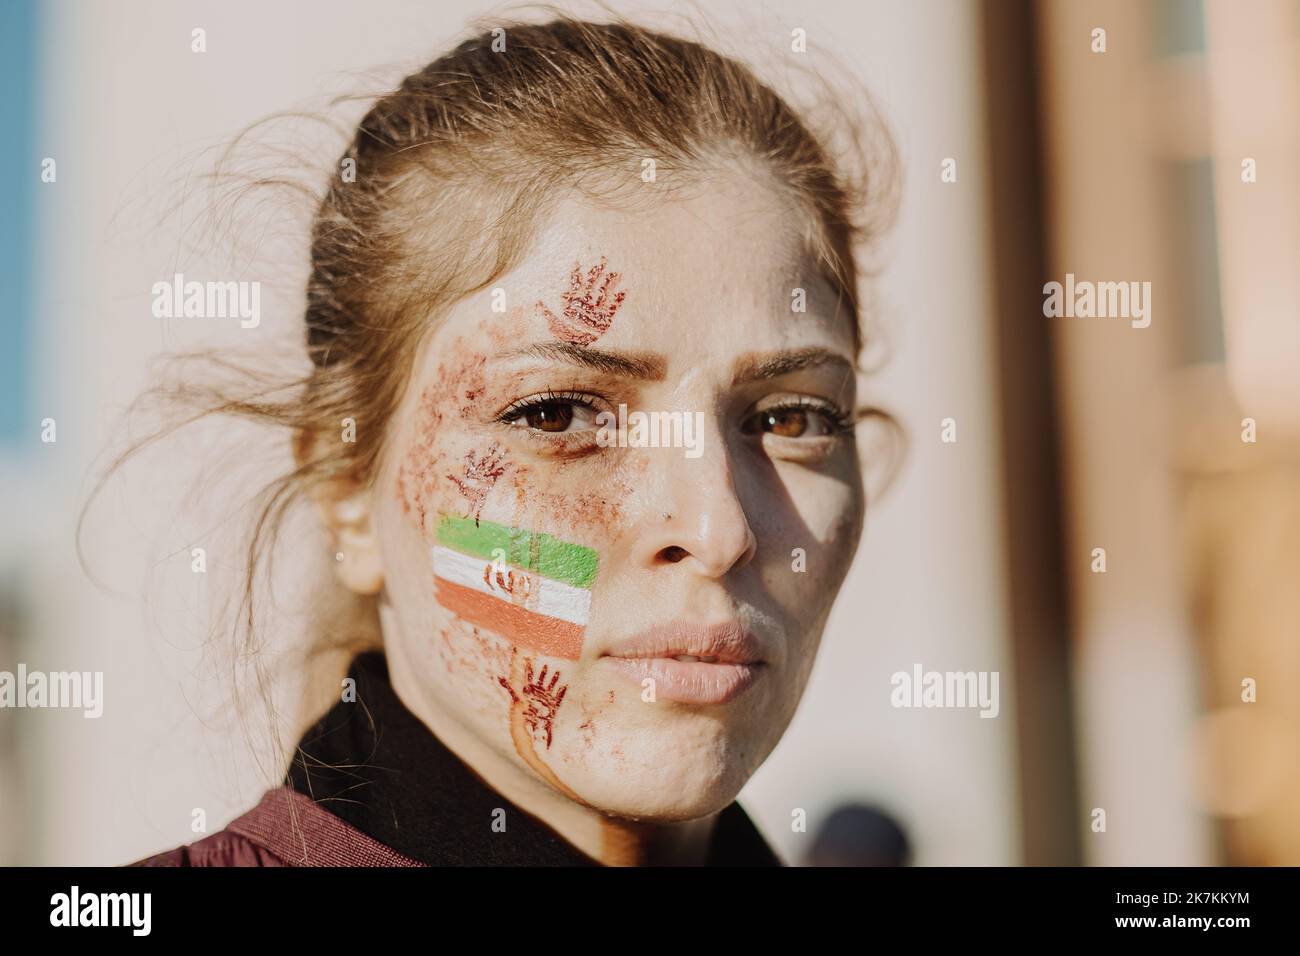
x=584 y=323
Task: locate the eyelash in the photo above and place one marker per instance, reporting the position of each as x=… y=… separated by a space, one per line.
x=549 y=397
x=839 y=421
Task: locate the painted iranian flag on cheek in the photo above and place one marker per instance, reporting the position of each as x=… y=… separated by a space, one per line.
x=531 y=588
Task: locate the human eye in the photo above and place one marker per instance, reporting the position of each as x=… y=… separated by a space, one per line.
x=552 y=413
x=798 y=418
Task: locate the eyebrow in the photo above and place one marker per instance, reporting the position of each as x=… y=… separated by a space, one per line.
x=647 y=366
x=759 y=366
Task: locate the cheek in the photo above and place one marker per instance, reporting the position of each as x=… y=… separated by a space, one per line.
x=478 y=509
x=447 y=467
x=482 y=480
x=833 y=516
x=437 y=472
x=472 y=655
x=588 y=499
x=811 y=541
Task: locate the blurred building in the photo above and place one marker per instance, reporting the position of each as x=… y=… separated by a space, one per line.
x=1170 y=157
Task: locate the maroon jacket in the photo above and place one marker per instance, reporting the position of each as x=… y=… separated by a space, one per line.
x=286 y=828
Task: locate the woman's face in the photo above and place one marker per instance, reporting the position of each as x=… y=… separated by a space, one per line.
x=629 y=615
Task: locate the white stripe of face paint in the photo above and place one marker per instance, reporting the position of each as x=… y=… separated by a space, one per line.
x=541 y=595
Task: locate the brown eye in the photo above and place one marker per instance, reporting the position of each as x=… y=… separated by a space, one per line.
x=786 y=422
x=792 y=421
x=550 y=416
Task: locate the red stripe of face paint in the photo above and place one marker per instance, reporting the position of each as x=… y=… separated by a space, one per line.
x=518 y=625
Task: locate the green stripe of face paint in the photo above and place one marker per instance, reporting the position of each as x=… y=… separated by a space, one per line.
x=548 y=556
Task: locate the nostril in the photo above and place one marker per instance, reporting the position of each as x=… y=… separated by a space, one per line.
x=673 y=554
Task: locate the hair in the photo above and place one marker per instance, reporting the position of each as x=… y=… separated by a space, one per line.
x=454 y=171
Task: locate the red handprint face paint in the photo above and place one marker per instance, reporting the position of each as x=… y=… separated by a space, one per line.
x=533 y=709
x=540 y=701
x=479 y=474
x=588 y=310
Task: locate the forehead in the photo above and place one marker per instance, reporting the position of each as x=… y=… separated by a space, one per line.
x=717 y=265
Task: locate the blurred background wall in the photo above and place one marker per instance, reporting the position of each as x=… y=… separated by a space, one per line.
x=1120 y=691
x=1171 y=158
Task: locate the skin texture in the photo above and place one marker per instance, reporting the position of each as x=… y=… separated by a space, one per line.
x=697 y=287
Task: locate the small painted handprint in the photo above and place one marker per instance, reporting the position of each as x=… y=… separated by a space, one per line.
x=540 y=699
x=481 y=473
x=588 y=309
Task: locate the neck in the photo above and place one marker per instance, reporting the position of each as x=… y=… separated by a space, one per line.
x=628 y=843
x=534 y=788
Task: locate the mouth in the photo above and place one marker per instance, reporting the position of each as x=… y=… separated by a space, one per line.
x=691 y=663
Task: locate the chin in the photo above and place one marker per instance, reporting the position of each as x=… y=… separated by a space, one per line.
x=673 y=772
x=643 y=800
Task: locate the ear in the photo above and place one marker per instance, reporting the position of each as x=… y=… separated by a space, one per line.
x=346 y=513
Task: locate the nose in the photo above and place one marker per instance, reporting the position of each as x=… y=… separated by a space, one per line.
x=701 y=520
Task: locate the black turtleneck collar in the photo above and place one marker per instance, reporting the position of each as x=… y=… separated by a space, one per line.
x=376 y=766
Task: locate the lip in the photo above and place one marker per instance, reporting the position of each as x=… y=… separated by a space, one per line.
x=736 y=653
